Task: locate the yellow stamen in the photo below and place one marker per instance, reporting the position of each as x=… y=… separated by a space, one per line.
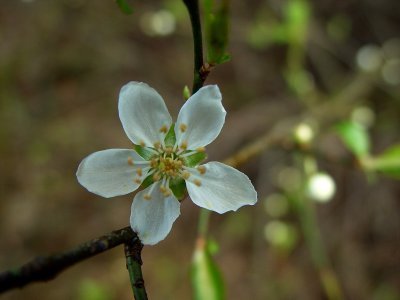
x=130 y=161
x=201 y=149
x=147 y=197
x=153 y=163
x=164 y=129
x=182 y=127
x=197 y=182
x=157 y=145
x=142 y=143
x=184 y=145
x=156 y=177
x=137 y=181
x=185 y=175
x=139 y=172
x=201 y=169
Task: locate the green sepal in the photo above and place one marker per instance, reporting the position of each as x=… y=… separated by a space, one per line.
x=124 y=6
x=170 y=138
x=178 y=187
x=147 y=182
x=194 y=159
x=143 y=152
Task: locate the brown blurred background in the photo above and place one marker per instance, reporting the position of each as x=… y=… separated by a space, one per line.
x=62 y=64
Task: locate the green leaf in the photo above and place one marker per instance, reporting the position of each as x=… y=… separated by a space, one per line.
x=297 y=15
x=216 y=31
x=170 y=138
x=143 y=152
x=178 y=187
x=388 y=162
x=92 y=290
x=195 y=159
x=124 y=6
x=186 y=92
x=147 y=182
x=206 y=278
x=355 y=137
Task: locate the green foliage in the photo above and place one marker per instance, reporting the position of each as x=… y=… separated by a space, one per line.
x=387 y=163
x=178 y=187
x=297 y=14
x=292 y=30
x=186 y=92
x=206 y=278
x=195 y=159
x=124 y=6
x=217 y=31
x=93 y=290
x=170 y=138
x=355 y=137
x=143 y=152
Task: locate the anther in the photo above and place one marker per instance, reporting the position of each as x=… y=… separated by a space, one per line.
x=201 y=149
x=157 y=145
x=147 y=197
x=164 y=129
x=182 y=127
x=201 y=169
x=185 y=175
x=197 y=182
x=142 y=143
x=137 y=181
x=153 y=163
x=156 y=177
x=130 y=161
x=168 y=150
x=139 y=172
x=184 y=145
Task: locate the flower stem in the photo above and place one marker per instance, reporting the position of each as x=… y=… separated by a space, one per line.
x=204 y=218
x=199 y=74
x=134 y=265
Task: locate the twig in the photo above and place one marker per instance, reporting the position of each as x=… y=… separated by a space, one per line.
x=200 y=70
x=45 y=268
x=134 y=263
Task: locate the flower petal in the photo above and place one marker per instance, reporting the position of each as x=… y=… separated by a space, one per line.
x=220 y=188
x=112 y=172
x=152 y=219
x=143 y=113
x=201 y=118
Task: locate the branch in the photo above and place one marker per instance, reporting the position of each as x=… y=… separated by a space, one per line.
x=134 y=265
x=45 y=268
x=200 y=70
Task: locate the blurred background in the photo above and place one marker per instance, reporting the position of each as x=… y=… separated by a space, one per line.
x=320 y=77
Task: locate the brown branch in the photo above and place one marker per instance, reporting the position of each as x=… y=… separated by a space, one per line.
x=45 y=268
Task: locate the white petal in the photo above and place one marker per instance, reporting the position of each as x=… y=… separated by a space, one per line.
x=201 y=118
x=222 y=188
x=152 y=219
x=112 y=172
x=143 y=113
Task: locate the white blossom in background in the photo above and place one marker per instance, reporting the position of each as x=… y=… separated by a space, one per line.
x=321 y=187
x=147 y=123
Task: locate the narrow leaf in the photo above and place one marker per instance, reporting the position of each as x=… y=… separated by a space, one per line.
x=355 y=137
x=124 y=6
x=388 y=162
x=206 y=278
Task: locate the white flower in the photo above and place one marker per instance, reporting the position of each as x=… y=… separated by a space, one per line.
x=167 y=155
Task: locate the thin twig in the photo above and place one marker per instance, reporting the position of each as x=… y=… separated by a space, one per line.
x=44 y=268
x=134 y=263
x=200 y=70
